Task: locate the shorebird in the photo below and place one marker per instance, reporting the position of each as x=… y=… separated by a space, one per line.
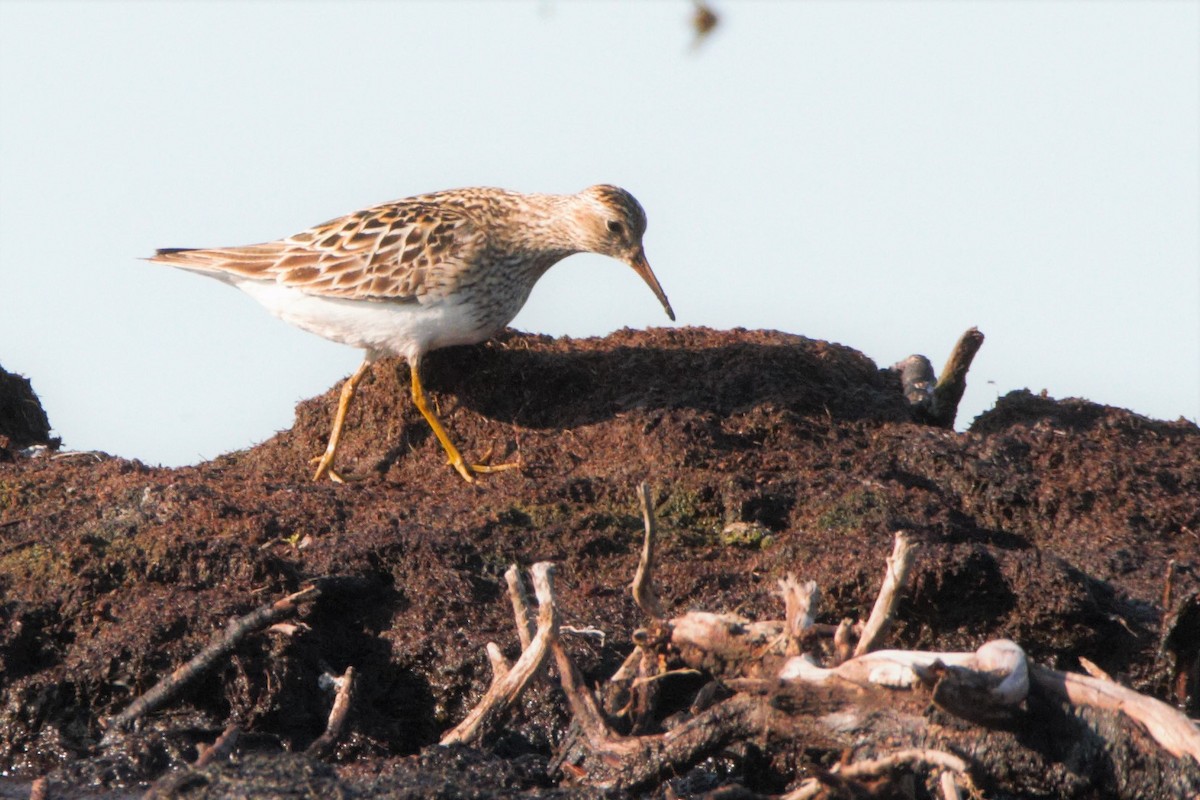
x=407 y=277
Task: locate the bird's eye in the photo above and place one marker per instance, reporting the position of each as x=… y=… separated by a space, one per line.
x=614 y=226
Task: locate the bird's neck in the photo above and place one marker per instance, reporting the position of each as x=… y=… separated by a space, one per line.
x=555 y=226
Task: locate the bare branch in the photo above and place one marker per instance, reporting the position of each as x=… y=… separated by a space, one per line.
x=222 y=645
x=1178 y=735
x=324 y=743
x=950 y=387
x=1091 y=668
x=800 y=604
x=505 y=689
x=949 y=786
x=895 y=579
x=843 y=646
x=219 y=749
x=500 y=665
x=643 y=581
x=520 y=604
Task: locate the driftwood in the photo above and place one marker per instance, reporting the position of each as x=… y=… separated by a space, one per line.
x=950 y=387
x=894 y=580
x=219 y=749
x=222 y=645
x=933 y=400
x=508 y=685
x=323 y=745
x=795 y=680
x=643 y=583
x=1178 y=735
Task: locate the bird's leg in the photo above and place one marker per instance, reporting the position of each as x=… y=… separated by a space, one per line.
x=325 y=462
x=456 y=459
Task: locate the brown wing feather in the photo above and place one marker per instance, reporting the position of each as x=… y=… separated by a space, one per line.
x=387 y=252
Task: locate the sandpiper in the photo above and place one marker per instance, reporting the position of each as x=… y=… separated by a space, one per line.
x=430 y=271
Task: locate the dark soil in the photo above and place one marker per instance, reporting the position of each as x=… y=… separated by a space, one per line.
x=1063 y=525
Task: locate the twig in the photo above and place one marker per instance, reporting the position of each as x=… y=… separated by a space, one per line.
x=323 y=745
x=949 y=786
x=583 y=705
x=1178 y=735
x=800 y=603
x=506 y=688
x=895 y=580
x=500 y=664
x=643 y=581
x=220 y=749
x=589 y=632
x=950 y=387
x=642 y=681
x=879 y=766
x=1168 y=586
x=1002 y=659
x=1093 y=669
x=520 y=604
x=222 y=644
x=39 y=789
x=843 y=648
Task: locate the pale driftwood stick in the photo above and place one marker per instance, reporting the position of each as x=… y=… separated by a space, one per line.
x=895 y=580
x=219 y=749
x=916 y=380
x=520 y=604
x=949 y=786
x=584 y=707
x=1093 y=669
x=643 y=580
x=1168 y=585
x=1178 y=735
x=843 y=646
x=500 y=664
x=39 y=789
x=505 y=691
x=629 y=667
x=800 y=604
x=222 y=645
x=875 y=767
x=323 y=745
x=950 y=387
x=903 y=669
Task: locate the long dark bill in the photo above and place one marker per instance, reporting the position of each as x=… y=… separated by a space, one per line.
x=642 y=267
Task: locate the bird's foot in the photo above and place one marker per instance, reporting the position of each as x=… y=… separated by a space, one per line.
x=325 y=468
x=468 y=471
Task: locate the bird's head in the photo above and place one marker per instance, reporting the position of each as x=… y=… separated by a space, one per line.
x=615 y=225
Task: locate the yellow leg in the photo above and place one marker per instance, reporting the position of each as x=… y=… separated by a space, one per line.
x=456 y=459
x=325 y=462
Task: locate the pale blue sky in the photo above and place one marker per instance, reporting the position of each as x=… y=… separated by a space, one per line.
x=878 y=174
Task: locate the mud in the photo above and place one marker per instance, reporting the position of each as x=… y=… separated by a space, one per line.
x=1070 y=527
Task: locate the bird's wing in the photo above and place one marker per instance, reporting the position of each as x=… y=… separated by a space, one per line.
x=395 y=251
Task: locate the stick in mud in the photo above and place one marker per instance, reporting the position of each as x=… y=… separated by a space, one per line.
x=222 y=645
x=506 y=688
x=323 y=745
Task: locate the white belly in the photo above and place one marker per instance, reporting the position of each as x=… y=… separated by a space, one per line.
x=380 y=327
